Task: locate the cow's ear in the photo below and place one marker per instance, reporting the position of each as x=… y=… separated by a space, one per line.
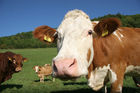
x=25 y=59
x=10 y=59
x=107 y=26
x=45 y=33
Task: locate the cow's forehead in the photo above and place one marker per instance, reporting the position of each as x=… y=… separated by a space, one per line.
x=75 y=21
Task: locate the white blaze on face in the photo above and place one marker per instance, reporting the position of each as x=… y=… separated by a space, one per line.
x=74 y=40
x=36 y=69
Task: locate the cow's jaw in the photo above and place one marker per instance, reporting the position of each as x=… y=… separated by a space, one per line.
x=74 y=43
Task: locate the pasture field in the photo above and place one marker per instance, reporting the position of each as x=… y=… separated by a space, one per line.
x=27 y=81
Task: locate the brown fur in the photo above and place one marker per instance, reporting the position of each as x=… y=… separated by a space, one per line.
x=119 y=54
x=45 y=70
x=110 y=24
x=40 y=31
x=9 y=64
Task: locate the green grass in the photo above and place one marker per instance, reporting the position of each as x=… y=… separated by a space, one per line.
x=27 y=81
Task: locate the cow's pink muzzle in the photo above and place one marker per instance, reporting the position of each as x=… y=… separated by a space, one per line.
x=65 y=68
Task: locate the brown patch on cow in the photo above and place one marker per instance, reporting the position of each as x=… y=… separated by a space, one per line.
x=44 y=30
x=108 y=24
x=90 y=69
x=88 y=55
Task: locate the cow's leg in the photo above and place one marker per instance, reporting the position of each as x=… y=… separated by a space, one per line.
x=117 y=82
x=116 y=87
x=53 y=79
x=42 y=78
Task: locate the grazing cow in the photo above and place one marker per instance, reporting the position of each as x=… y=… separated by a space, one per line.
x=108 y=55
x=43 y=71
x=10 y=63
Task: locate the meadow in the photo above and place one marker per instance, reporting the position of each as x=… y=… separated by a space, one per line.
x=27 y=81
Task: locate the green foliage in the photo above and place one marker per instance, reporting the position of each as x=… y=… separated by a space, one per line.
x=27 y=80
x=26 y=39
x=127 y=20
x=22 y=40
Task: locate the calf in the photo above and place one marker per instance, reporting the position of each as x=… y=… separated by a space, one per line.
x=10 y=63
x=43 y=71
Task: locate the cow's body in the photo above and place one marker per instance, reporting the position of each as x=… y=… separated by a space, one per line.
x=113 y=51
x=9 y=63
x=43 y=71
x=114 y=56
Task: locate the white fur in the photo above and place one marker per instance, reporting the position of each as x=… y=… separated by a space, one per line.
x=112 y=76
x=96 y=80
x=73 y=39
x=118 y=35
x=132 y=70
x=98 y=76
x=36 y=69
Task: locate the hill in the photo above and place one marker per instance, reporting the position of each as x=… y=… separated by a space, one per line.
x=26 y=40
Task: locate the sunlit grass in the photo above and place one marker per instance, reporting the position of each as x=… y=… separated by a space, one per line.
x=27 y=81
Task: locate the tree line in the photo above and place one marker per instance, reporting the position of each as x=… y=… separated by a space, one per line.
x=26 y=39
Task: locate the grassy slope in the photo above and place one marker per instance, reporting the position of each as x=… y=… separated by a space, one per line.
x=27 y=81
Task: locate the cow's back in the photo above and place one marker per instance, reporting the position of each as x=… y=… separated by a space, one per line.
x=123 y=44
x=131 y=42
x=3 y=67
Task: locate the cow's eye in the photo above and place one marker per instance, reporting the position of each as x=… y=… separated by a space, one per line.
x=90 y=32
x=56 y=34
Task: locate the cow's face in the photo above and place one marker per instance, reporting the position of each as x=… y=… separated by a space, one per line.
x=17 y=61
x=36 y=68
x=75 y=48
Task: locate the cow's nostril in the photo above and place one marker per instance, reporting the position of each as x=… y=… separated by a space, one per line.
x=74 y=61
x=55 y=68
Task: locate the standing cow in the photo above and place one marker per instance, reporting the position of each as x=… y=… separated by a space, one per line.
x=10 y=63
x=106 y=50
x=43 y=71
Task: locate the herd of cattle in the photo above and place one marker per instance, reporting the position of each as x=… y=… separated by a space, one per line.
x=103 y=51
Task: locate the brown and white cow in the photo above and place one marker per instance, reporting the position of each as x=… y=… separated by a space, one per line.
x=43 y=71
x=114 y=51
x=10 y=63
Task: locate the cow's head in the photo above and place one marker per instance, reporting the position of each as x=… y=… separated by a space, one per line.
x=36 y=68
x=16 y=60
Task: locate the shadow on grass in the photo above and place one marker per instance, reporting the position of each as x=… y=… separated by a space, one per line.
x=75 y=83
x=3 y=87
x=88 y=90
x=44 y=80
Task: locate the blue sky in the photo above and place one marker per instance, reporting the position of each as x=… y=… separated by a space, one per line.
x=18 y=16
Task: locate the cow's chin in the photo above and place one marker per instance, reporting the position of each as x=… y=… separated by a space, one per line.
x=66 y=76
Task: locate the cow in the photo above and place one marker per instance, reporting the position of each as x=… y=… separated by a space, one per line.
x=100 y=50
x=43 y=71
x=10 y=63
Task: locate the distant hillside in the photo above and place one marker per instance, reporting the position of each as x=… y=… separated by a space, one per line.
x=22 y=40
x=26 y=40
x=127 y=20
